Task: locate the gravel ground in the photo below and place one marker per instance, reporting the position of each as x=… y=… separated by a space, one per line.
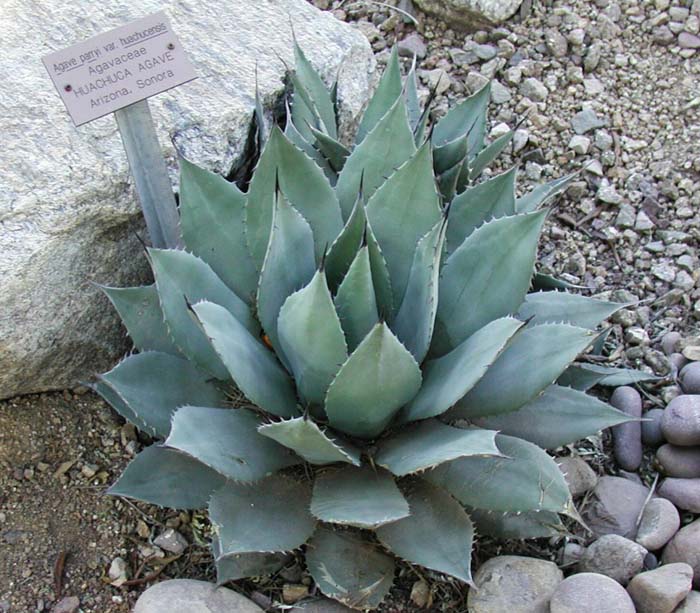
x=627 y=228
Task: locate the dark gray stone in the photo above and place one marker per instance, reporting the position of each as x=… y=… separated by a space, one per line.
x=652 y=436
x=675 y=461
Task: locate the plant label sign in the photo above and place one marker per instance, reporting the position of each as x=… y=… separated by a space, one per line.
x=118 y=68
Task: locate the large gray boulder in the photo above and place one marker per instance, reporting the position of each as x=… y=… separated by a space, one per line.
x=68 y=212
x=471 y=13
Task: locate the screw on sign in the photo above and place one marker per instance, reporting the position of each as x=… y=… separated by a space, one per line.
x=116 y=72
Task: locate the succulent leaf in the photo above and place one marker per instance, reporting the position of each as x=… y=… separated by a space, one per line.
x=182 y=279
x=345 y=247
x=360 y=497
x=312 y=339
x=349 y=569
x=378 y=378
x=253 y=368
x=271 y=515
x=447 y=379
x=381 y=279
x=386 y=94
x=203 y=433
x=336 y=153
x=438 y=534
x=535 y=358
x=475 y=290
x=297 y=139
x=119 y=405
x=289 y=266
x=450 y=154
x=306 y=188
x=356 y=302
x=410 y=188
x=140 y=312
x=525 y=478
x=241 y=565
x=308 y=440
x=302 y=115
x=534 y=199
x=559 y=416
x=487 y=200
x=415 y=320
x=552 y=307
x=212 y=214
x=431 y=443
x=614 y=377
x=413 y=107
x=386 y=147
x=448 y=181
x=311 y=82
x=527 y=525
x=466 y=117
x=138 y=381
x=488 y=154
x=167 y=478
x=578 y=377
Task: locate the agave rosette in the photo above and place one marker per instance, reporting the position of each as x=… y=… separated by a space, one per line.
x=375 y=305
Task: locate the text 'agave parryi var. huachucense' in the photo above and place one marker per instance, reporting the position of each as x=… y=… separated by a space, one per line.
x=402 y=367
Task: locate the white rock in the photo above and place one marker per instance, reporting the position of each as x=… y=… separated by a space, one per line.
x=466 y=12
x=68 y=209
x=172 y=541
x=500 y=129
x=189 y=596
x=580 y=144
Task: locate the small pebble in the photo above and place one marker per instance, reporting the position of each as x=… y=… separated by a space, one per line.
x=590 y=592
x=615 y=557
x=659 y=523
x=670 y=342
x=661 y=590
x=172 y=541
x=684 y=493
x=681 y=420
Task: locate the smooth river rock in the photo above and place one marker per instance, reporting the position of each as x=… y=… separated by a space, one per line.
x=691 y=604
x=587 y=592
x=660 y=521
x=685 y=547
x=614 y=506
x=514 y=584
x=681 y=421
x=613 y=556
x=68 y=208
x=627 y=437
x=684 y=493
x=690 y=378
x=652 y=436
x=579 y=476
x=189 y=596
x=662 y=589
x=676 y=461
x=470 y=14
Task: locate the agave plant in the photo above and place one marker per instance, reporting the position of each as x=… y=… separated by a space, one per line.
x=371 y=305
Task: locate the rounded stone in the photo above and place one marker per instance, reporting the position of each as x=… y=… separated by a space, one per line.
x=615 y=506
x=685 y=547
x=675 y=461
x=671 y=342
x=190 y=596
x=691 y=604
x=587 y=592
x=660 y=521
x=615 y=557
x=579 y=476
x=321 y=605
x=515 y=584
x=680 y=423
x=661 y=590
x=652 y=436
x=684 y=493
x=677 y=362
x=690 y=378
x=627 y=437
